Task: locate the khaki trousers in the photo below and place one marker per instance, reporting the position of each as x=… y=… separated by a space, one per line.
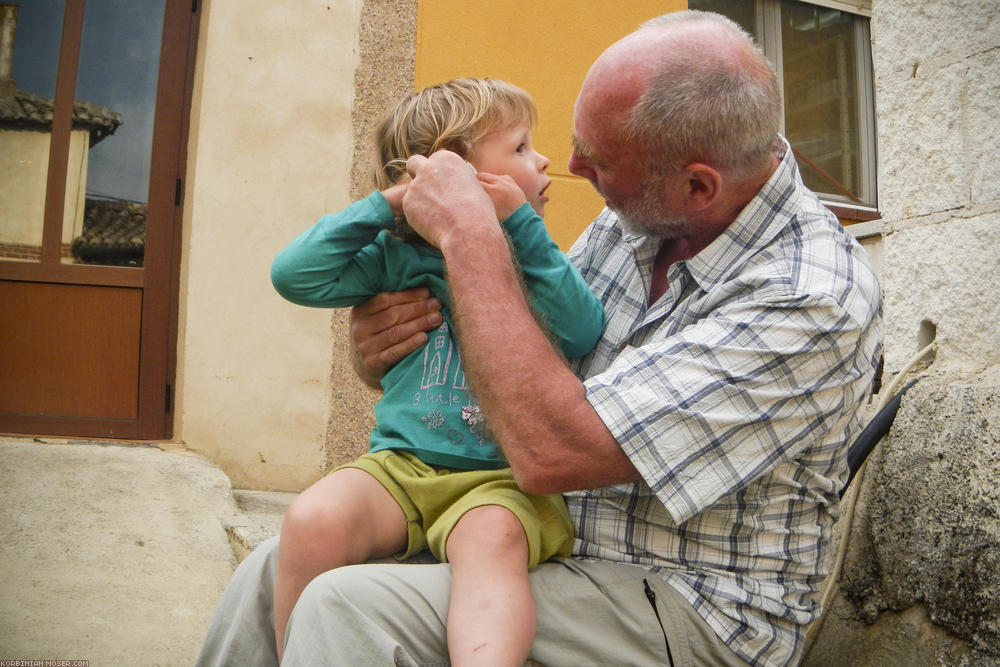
x=589 y=613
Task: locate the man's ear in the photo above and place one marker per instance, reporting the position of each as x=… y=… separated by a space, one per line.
x=702 y=185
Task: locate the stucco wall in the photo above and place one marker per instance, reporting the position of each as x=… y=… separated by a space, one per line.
x=269 y=152
x=921 y=573
x=24 y=163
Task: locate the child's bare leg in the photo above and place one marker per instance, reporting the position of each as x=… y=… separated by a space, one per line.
x=343 y=519
x=491 y=617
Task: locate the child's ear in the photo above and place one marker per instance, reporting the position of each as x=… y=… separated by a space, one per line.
x=459 y=146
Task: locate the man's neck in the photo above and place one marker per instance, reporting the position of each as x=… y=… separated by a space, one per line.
x=670 y=252
x=710 y=224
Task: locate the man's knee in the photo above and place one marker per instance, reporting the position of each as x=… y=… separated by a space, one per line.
x=335 y=589
x=359 y=611
x=360 y=594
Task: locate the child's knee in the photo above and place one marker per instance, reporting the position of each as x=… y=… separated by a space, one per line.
x=488 y=530
x=305 y=516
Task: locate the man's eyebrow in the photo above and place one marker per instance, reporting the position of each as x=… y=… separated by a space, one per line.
x=583 y=150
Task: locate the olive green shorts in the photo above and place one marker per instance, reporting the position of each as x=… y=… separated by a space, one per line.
x=434 y=499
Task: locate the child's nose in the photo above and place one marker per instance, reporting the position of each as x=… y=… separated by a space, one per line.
x=543 y=162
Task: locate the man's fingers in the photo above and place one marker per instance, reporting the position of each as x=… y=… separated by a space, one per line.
x=414 y=163
x=395 y=316
x=392 y=355
x=386 y=300
x=402 y=330
x=389 y=326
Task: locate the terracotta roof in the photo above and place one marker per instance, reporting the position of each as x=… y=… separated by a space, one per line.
x=114 y=232
x=33 y=112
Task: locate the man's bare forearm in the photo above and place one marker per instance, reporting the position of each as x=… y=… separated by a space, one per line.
x=537 y=409
x=535 y=405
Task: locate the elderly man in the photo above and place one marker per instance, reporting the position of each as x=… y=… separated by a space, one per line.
x=700 y=446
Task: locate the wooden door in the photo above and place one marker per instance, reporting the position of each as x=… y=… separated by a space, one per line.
x=93 y=125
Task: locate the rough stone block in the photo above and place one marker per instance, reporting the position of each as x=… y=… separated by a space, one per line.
x=931 y=535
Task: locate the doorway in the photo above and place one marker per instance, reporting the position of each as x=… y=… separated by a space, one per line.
x=94 y=102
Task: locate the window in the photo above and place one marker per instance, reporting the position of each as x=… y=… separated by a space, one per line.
x=823 y=58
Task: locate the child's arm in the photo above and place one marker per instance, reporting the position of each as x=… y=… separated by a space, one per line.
x=333 y=263
x=558 y=293
x=504 y=192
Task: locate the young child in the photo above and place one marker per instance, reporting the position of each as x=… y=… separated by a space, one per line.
x=433 y=477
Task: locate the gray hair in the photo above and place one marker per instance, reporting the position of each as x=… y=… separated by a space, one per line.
x=700 y=105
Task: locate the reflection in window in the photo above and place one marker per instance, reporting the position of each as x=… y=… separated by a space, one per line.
x=821 y=78
x=110 y=144
x=823 y=58
x=29 y=58
x=119 y=62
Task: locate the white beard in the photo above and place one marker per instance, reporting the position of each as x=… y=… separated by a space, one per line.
x=646 y=216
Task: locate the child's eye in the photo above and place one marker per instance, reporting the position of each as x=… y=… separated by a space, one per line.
x=521 y=147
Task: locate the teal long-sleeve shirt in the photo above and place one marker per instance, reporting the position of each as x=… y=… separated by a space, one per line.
x=428 y=408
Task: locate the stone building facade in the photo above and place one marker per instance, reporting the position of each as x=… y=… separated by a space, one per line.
x=920 y=579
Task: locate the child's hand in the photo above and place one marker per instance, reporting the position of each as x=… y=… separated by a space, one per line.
x=394 y=195
x=507 y=197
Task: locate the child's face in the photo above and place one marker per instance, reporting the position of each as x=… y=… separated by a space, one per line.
x=508 y=152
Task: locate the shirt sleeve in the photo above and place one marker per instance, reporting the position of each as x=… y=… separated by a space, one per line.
x=335 y=263
x=704 y=411
x=567 y=307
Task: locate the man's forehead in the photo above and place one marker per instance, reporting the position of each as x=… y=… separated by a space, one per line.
x=597 y=135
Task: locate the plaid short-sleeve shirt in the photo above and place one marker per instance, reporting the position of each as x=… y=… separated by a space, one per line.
x=735 y=395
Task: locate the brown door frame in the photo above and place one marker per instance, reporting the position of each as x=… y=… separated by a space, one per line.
x=159 y=277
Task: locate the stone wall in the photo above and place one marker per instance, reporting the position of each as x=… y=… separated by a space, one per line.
x=387 y=36
x=920 y=577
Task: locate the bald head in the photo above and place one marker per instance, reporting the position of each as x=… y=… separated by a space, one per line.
x=690 y=86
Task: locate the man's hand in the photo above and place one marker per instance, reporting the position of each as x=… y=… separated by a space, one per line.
x=445 y=198
x=389 y=326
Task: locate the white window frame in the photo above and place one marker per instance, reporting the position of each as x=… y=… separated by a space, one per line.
x=768 y=18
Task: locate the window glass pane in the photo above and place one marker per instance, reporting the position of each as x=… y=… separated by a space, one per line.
x=116 y=99
x=29 y=59
x=741 y=11
x=829 y=114
x=821 y=98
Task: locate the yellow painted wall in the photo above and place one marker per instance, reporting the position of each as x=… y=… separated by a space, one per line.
x=543 y=47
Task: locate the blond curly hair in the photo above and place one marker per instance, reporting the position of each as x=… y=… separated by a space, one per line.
x=454 y=115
